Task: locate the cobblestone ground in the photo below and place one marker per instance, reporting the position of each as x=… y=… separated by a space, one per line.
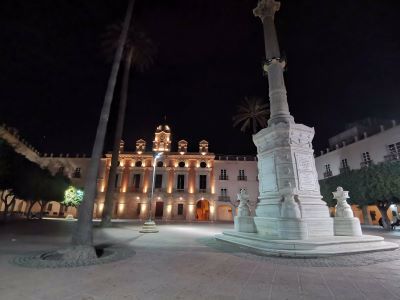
x=183 y=261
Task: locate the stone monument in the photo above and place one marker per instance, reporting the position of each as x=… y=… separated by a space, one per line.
x=344 y=221
x=291 y=218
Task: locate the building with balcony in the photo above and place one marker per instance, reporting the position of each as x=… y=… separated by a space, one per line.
x=361 y=145
x=192 y=186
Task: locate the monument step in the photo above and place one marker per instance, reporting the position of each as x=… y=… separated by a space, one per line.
x=316 y=247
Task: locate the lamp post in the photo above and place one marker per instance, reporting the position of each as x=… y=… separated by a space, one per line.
x=150 y=226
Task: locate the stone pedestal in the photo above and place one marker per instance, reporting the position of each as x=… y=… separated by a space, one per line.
x=347 y=226
x=290 y=205
x=244 y=224
x=149 y=227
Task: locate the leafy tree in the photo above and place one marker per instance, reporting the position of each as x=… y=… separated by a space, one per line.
x=253 y=113
x=376 y=185
x=139 y=52
x=72 y=196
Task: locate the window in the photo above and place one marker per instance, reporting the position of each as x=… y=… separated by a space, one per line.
x=77 y=173
x=136 y=181
x=394 y=148
x=366 y=156
x=180 y=184
x=344 y=163
x=223 y=175
x=241 y=175
x=366 y=160
x=60 y=170
x=160 y=164
x=203 y=164
x=138 y=163
x=224 y=192
x=328 y=172
x=344 y=166
x=181 y=164
x=180 y=209
x=50 y=206
x=158 y=181
x=203 y=182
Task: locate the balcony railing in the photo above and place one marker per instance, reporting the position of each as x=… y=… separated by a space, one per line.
x=223 y=177
x=242 y=178
x=344 y=170
x=202 y=190
x=224 y=198
x=327 y=174
x=180 y=190
x=392 y=157
x=366 y=164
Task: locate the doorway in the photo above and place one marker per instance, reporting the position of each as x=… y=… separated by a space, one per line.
x=159 y=210
x=203 y=210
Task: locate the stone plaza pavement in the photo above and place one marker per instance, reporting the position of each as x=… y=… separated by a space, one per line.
x=183 y=261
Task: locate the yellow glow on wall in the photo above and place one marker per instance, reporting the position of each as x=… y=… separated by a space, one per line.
x=101 y=206
x=121 y=207
x=191 y=208
x=102 y=188
x=169 y=208
x=191 y=190
x=212 y=209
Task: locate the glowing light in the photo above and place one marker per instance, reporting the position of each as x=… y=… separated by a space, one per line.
x=169 y=208
x=212 y=208
x=121 y=207
x=191 y=208
x=137 y=198
x=102 y=188
x=158 y=198
x=203 y=153
x=101 y=206
x=72 y=196
x=181 y=153
x=180 y=198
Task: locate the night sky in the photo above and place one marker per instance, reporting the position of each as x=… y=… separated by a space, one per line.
x=343 y=65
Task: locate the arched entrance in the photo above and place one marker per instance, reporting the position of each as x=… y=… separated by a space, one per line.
x=203 y=210
x=225 y=213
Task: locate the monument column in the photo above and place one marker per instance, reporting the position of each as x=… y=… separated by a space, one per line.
x=274 y=64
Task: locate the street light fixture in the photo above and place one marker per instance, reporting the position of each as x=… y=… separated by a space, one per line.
x=150 y=226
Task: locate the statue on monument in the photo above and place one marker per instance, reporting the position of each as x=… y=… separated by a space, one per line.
x=243 y=209
x=343 y=209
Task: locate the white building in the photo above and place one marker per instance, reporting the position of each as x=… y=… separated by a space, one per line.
x=363 y=143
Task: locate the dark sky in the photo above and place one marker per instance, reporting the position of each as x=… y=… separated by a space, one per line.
x=343 y=65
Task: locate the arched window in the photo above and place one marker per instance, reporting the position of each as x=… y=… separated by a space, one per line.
x=181 y=164
x=138 y=163
x=203 y=164
x=160 y=164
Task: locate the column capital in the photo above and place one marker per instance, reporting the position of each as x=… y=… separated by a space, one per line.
x=266 y=8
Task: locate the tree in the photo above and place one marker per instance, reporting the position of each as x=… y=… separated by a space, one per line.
x=138 y=53
x=82 y=238
x=376 y=185
x=253 y=112
x=72 y=196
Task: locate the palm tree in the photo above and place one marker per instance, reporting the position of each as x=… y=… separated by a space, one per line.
x=82 y=238
x=253 y=112
x=138 y=53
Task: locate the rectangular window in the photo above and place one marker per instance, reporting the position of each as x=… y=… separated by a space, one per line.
x=223 y=175
x=180 y=184
x=136 y=181
x=224 y=192
x=180 y=209
x=77 y=173
x=366 y=157
x=158 y=181
x=328 y=172
x=241 y=175
x=203 y=182
x=344 y=163
x=394 y=148
x=50 y=206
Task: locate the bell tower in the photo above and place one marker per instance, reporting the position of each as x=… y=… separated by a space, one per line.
x=162 y=139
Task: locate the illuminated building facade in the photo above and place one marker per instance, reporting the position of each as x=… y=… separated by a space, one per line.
x=189 y=186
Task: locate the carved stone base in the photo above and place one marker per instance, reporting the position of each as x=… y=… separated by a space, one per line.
x=244 y=224
x=347 y=226
x=149 y=227
x=294 y=229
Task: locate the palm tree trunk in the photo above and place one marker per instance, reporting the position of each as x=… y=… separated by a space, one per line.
x=82 y=238
x=254 y=126
x=109 y=199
